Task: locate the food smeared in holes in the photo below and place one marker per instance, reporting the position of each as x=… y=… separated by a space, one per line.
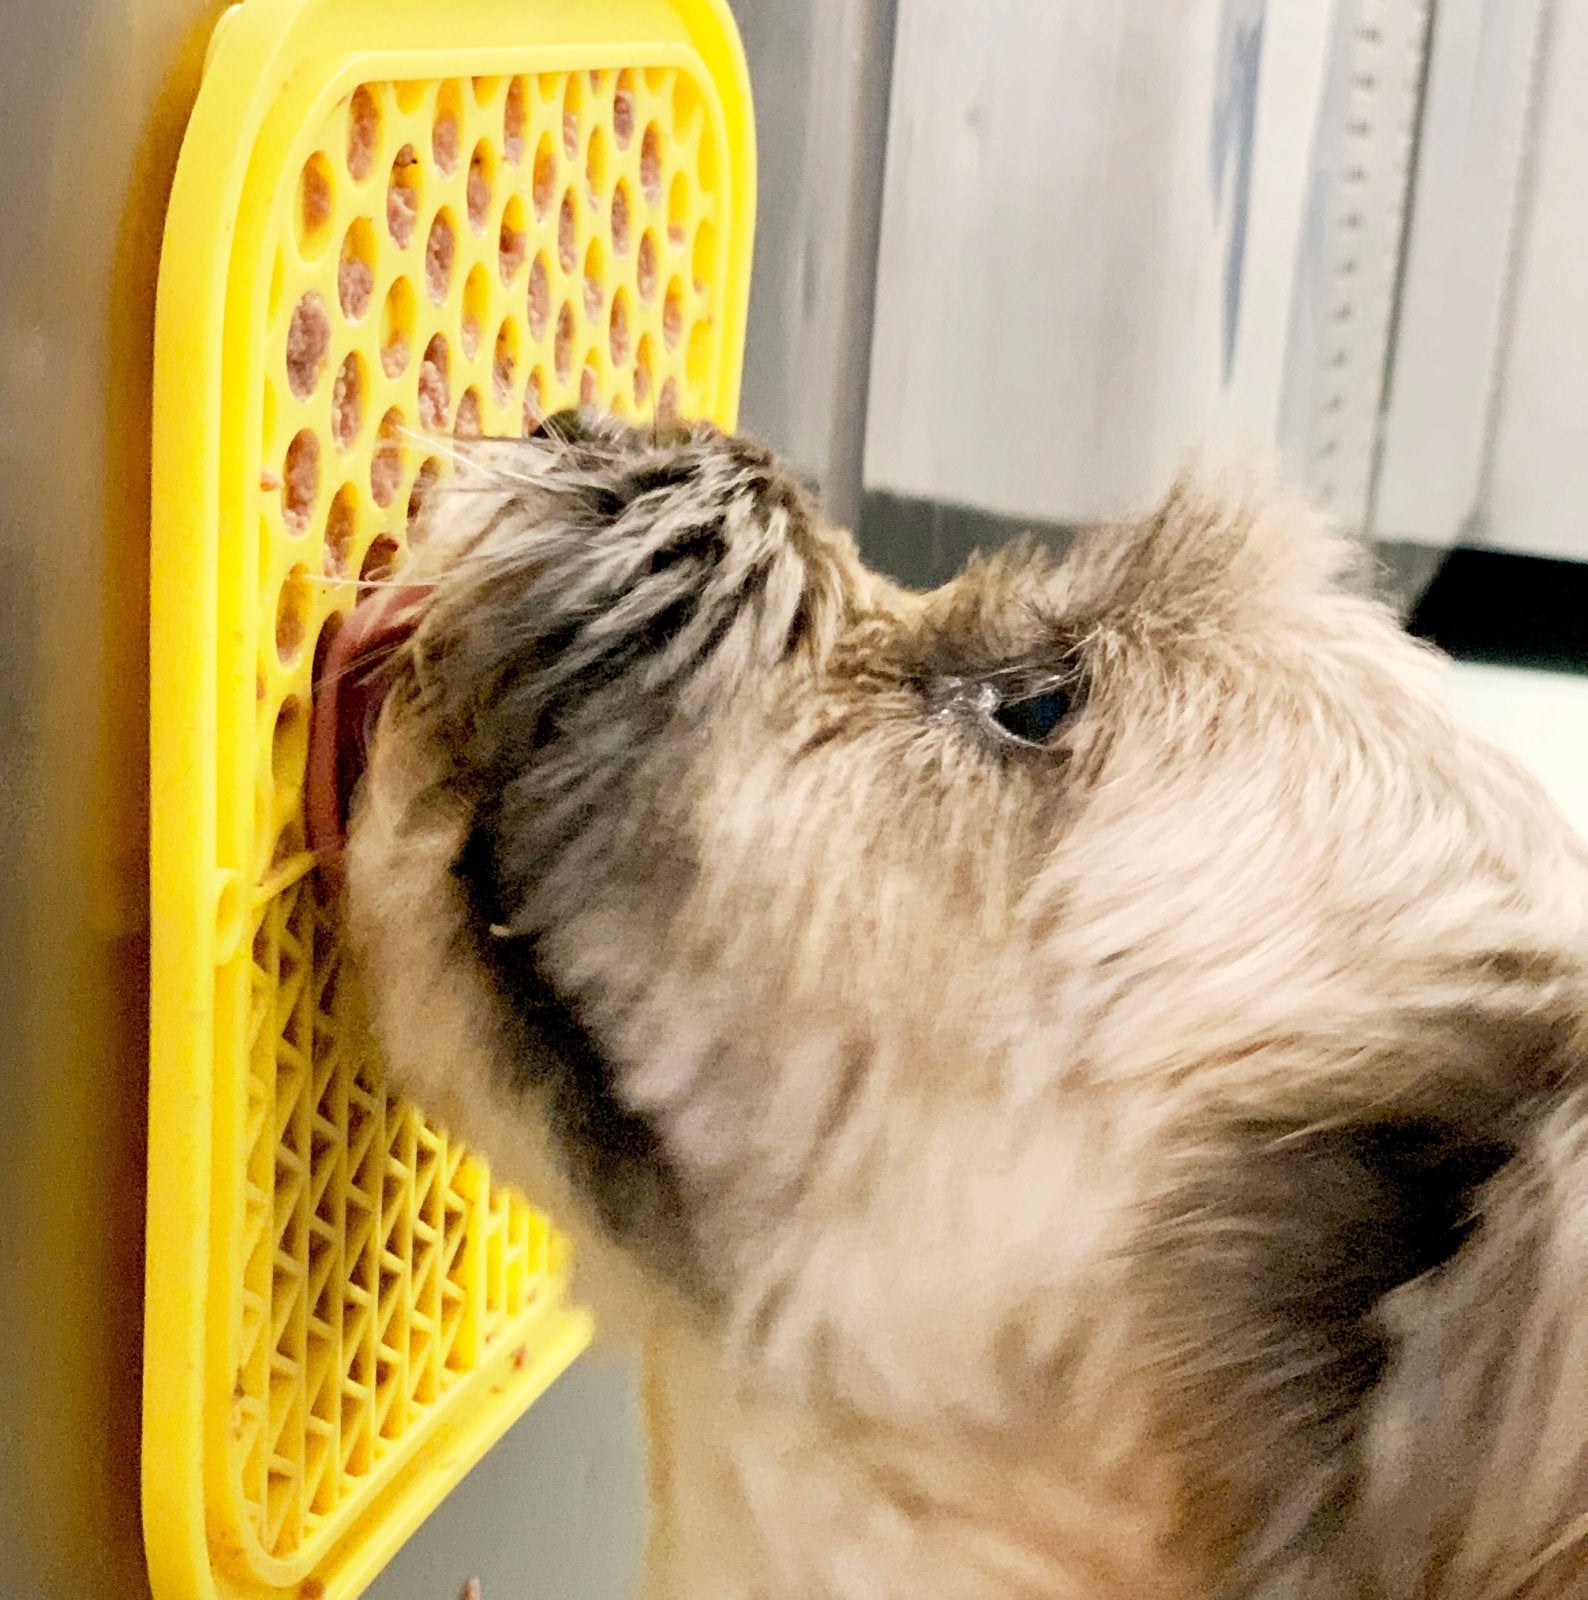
x=567 y=238
x=440 y=251
x=434 y=391
x=623 y=110
x=444 y=134
x=478 y=192
x=308 y=344
x=476 y=305
x=300 y=480
x=513 y=241
x=397 y=325
x=314 y=202
x=419 y=500
x=534 y=402
x=538 y=303
x=363 y=132
x=467 y=424
x=341 y=524
x=562 y=345
x=402 y=197
x=386 y=465
x=544 y=188
x=355 y=273
x=620 y=220
x=618 y=329
x=673 y=314
x=570 y=117
x=504 y=360
x=347 y=400
x=514 y=119
x=292 y=615
x=651 y=164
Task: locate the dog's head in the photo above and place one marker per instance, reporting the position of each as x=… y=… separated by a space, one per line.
x=937 y=989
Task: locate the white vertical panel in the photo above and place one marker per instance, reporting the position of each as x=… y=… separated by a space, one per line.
x=1066 y=234
x=1459 y=261
x=1538 y=489
x=1292 y=81
x=820 y=72
x=1360 y=187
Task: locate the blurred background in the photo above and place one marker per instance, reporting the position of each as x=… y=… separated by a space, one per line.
x=1077 y=240
x=1014 y=260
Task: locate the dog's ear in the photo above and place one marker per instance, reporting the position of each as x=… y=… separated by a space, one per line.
x=1275 y=1255
x=1473 y=1445
x=1219 y=548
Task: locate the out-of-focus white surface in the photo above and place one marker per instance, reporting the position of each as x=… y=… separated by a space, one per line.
x=1460 y=259
x=1541 y=718
x=1094 y=222
x=1539 y=479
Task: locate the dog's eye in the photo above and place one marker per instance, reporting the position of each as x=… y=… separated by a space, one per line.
x=1032 y=718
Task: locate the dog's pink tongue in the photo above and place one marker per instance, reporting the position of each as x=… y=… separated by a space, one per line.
x=351 y=683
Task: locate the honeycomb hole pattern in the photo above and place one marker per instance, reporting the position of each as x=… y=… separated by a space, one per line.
x=454 y=260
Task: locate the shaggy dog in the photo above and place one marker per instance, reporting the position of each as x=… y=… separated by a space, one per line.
x=1083 y=1069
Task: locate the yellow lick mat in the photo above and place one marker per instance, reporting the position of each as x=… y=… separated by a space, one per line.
x=395 y=223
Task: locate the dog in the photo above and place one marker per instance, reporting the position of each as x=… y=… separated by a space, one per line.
x=1080 y=1072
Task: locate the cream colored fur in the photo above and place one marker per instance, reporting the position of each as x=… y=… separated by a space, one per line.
x=1047 y=1127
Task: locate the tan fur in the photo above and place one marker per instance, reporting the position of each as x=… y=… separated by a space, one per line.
x=1026 y=1110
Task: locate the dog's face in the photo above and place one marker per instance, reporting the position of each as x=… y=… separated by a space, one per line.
x=1121 y=966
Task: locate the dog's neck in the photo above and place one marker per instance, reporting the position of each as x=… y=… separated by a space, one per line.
x=760 y=1498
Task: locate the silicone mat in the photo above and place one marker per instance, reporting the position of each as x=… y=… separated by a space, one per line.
x=393 y=225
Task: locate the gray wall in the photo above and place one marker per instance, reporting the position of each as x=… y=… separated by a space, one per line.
x=555 y=1512
x=820 y=70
